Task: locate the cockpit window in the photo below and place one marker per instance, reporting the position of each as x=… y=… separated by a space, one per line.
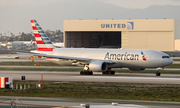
x=165 y=56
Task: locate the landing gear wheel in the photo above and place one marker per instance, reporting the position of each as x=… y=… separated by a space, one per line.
x=90 y=73
x=112 y=72
x=86 y=73
x=158 y=74
x=81 y=73
x=104 y=73
x=108 y=73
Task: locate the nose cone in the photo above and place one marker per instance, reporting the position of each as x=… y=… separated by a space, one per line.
x=167 y=62
x=170 y=61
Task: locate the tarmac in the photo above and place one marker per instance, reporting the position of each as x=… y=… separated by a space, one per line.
x=97 y=77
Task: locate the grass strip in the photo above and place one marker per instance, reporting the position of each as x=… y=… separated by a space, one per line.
x=124 y=91
x=176 y=59
x=173 y=66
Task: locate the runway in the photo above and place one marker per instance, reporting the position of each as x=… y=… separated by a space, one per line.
x=97 y=77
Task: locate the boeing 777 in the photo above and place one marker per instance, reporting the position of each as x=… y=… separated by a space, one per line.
x=96 y=59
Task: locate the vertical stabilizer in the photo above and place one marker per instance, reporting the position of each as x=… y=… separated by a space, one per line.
x=43 y=42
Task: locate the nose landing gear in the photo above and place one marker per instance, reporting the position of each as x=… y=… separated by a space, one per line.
x=158 y=72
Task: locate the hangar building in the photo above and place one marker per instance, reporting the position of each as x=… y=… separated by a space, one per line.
x=160 y=34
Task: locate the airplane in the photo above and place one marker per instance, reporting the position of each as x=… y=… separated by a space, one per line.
x=97 y=59
x=29 y=43
x=58 y=44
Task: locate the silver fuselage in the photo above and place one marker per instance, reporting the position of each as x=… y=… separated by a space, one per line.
x=122 y=58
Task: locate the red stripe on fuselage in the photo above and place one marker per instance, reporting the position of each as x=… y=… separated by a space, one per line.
x=32 y=21
x=39 y=42
x=34 y=28
x=45 y=49
x=37 y=35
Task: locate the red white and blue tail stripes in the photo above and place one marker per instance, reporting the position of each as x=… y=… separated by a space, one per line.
x=43 y=42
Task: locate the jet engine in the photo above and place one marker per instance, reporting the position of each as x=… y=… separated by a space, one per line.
x=137 y=69
x=98 y=66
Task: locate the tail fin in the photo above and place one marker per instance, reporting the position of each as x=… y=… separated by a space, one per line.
x=43 y=42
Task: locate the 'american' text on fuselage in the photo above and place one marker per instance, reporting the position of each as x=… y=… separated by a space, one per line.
x=125 y=56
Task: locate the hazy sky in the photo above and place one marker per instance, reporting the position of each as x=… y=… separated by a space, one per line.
x=141 y=3
x=124 y=3
x=50 y=14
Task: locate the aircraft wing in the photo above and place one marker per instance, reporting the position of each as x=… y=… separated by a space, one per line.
x=66 y=57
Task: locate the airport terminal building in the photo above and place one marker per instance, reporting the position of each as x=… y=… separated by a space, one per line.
x=160 y=34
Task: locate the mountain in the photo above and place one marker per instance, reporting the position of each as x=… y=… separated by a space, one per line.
x=16 y=19
x=154 y=12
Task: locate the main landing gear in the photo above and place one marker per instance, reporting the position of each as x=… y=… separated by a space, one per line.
x=86 y=72
x=108 y=73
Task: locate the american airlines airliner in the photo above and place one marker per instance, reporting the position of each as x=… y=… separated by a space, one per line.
x=96 y=59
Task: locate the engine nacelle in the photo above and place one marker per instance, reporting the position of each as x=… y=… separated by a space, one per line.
x=137 y=69
x=98 y=66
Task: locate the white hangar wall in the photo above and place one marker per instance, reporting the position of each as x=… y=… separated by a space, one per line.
x=131 y=34
x=152 y=34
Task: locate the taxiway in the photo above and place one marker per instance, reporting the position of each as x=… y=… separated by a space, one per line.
x=94 y=103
